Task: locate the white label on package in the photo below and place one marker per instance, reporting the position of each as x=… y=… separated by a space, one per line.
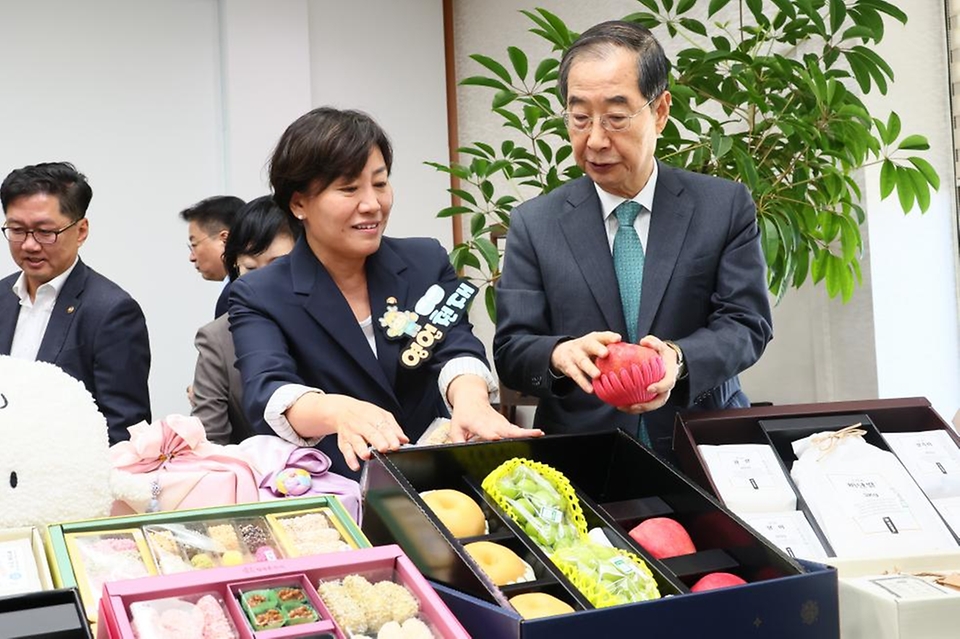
x=18 y=567
x=552 y=515
x=873 y=503
x=748 y=477
x=910 y=587
x=932 y=458
x=790 y=532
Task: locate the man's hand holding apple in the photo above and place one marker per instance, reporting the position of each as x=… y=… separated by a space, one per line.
x=575 y=358
x=665 y=385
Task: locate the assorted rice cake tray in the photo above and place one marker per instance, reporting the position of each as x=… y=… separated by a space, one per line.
x=374 y=592
x=89 y=554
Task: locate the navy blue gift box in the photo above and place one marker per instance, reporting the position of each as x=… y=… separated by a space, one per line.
x=619 y=484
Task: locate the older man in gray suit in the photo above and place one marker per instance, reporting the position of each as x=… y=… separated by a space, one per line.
x=633 y=249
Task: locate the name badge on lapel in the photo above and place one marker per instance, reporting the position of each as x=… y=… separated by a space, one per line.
x=441 y=313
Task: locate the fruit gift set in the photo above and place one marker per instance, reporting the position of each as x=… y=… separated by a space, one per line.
x=534 y=494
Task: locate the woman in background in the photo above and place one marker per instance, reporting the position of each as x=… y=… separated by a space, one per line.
x=259 y=234
x=316 y=363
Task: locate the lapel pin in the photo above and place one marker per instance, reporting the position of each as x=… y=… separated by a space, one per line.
x=423 y=337
x=71 y=309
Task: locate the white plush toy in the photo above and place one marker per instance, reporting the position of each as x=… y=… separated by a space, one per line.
x=54 y=461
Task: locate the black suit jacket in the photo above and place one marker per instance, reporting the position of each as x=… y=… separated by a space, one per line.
x=97 y=334
x=292 y=325
x=704 y=287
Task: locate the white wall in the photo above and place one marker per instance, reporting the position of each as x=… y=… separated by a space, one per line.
x=899 y=335
x=161 y=104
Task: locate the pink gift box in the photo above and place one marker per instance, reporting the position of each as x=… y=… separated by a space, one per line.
x=304 y=572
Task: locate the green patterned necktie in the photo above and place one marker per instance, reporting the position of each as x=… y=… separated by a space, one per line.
x=628 y=263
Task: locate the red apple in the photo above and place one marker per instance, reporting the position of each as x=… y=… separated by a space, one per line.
x=663 y=537
x=626 y=372
x=716 y=580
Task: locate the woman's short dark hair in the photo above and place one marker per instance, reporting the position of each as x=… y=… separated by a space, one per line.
x=60 y=179
x=653 y=67
x=322 y=146
x=255 y=226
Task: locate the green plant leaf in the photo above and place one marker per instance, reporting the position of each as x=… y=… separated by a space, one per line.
x=846 y=283
x=834 y=275
x=850 y=241
x=503 y=98
x=887 y=8
x=519 y=61
x=546 y=66
x=450 y=211
x=466 y=196
x=477 y=222
x=486 y=148
x=905 y=190
x=492 y=65
x=565 y=35
x=920 y=188
x=490 y=300
x=512 y=119
x=859 y=32
x=531 y=114
x=888 y=178
x=693 y=25
x=771 y=239
x=487 y=189
x=838 y=13
x=653 y=5
x=893 y=128
x=489 y=252
x=483 y=81
x=685 y=5
x=927 y=170
x=913 y=143
x=716 y=5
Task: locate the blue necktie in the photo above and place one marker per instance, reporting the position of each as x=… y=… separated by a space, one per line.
x=628 y=263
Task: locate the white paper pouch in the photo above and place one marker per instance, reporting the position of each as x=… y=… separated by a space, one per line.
x=749 y=478
x=932 y=458
x=863 y=498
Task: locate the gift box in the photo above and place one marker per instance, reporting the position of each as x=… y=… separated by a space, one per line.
x=23 y=562
x=778 y=426
x=312 y=596
x=51 y=614
x=901 y=598
x=619 y=484
x=185 y=541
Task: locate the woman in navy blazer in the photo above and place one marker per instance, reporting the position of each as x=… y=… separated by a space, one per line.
x=313 y=356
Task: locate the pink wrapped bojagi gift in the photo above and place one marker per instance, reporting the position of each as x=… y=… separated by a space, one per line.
x=185 y=470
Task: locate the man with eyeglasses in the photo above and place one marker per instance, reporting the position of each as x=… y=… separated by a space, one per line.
x=59 y=310
x=636 y=250
x=208 y=225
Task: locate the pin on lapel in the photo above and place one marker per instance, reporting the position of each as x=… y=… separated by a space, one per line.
x=398 y=323
x=71 y=309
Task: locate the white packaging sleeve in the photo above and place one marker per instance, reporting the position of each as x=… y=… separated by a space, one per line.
x=864 y=501
x=932 y=458
x=749 y=478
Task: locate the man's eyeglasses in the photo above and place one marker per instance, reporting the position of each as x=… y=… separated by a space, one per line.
x=194 y=244
x=612 y=122
x=41 y=236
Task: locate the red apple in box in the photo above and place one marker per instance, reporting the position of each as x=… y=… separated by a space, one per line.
x=663 y=537
x=716 y=580
x=626 y=372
